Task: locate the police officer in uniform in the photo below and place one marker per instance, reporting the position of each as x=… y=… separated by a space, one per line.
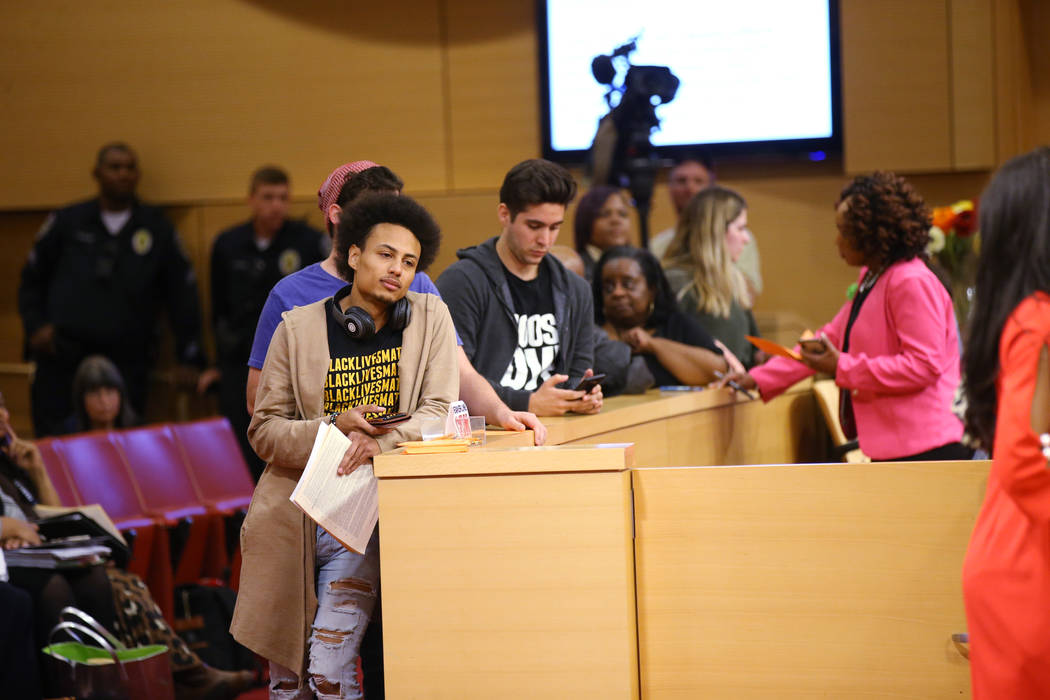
x=93 y=284
x=246 y=261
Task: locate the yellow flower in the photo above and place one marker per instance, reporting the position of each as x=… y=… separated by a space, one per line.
x=962 y=205
x=936 y=243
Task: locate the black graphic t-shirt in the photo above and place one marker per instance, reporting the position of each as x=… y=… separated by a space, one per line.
x=533 y=360
x=361 y=372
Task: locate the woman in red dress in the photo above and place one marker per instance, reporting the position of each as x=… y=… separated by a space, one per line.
x=1006 y=576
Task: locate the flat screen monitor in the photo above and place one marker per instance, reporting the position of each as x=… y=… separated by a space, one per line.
x=756 y=76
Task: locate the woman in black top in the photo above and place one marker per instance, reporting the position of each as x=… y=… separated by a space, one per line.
x=633 y=303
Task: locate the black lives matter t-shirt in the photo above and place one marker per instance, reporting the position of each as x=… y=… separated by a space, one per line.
x=537 y=346
x=361 y=372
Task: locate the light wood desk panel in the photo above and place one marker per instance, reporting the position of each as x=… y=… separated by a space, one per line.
x=508 y=585
x=701 y=428
x=804 y=581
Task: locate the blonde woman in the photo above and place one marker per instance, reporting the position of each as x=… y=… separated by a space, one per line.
x=709 y=238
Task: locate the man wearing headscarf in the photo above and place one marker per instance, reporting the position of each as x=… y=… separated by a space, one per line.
x=317 y=281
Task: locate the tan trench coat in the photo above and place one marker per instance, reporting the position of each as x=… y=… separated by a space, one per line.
x=277 y=598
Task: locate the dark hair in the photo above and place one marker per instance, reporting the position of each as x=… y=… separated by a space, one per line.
x=587 y=211
x=1014 y=217
x=95 y=372
x=696 y=155
x=113 y=146
x=663 y=299
x=267 y=175
x=536 y=181
x=886 y=219
x=374 y=208
x=378 y=178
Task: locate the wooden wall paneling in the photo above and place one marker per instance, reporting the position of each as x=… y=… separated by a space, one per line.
x=794 y=582
x=1013 y=78
x=18 y=231
x=493 y=89
x=972 y=84
x=895 y=86
x=205 y=90
x=14 y=384
x=1036 y=22
x=466 y=219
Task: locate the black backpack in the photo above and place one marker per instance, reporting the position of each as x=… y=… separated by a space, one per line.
x=202 y=618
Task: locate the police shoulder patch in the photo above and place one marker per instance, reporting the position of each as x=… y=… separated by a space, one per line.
x=288 y=261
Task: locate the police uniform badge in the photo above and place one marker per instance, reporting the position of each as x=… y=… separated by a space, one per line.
x=141 y=241
x=289 y=261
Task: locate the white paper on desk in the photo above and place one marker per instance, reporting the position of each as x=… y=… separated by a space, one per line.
x=347 y=507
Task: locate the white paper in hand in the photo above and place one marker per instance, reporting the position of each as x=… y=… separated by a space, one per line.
x=346 y=506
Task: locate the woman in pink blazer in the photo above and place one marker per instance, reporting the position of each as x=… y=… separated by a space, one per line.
x=893 y=349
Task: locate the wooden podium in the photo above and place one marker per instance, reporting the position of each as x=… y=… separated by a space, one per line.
x=508 y=573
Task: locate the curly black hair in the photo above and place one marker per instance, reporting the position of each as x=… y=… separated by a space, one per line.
x=886 y=220
x=374 y=208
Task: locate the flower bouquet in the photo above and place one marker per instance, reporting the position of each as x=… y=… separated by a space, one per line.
x=954 y=244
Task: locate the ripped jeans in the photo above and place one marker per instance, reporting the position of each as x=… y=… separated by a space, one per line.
x=346 y=594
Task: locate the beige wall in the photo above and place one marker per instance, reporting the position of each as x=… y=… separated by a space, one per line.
x=443 y=91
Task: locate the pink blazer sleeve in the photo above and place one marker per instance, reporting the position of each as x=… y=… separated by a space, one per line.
x=774 y=377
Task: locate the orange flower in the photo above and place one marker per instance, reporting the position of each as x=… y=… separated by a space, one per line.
x=943 y=218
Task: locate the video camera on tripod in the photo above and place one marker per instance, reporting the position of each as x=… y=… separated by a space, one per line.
x=622 y=154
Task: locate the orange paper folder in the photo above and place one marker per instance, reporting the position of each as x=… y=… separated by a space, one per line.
x=428 y=447
x=773 y=348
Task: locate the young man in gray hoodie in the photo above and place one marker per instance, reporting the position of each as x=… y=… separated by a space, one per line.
x=527 y=324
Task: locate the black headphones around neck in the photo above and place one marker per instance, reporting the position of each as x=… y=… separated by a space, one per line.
x=359 y=324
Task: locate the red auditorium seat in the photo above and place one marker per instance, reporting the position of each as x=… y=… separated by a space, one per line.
x=56 y=471
x=95 y=465
x=215 y=461
x=98 y=470
x=157 y=466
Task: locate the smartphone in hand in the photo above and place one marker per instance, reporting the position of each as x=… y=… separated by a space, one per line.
x=813 y=345
x=388 y=420
x=588 y=383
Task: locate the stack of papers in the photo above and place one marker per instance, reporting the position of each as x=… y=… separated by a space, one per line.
x=347 y=507
x=44 y=557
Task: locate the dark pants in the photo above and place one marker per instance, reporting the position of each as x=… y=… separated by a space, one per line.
x=233 y=404
x=953 y=451
x=371 y=653
x=18 y=645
